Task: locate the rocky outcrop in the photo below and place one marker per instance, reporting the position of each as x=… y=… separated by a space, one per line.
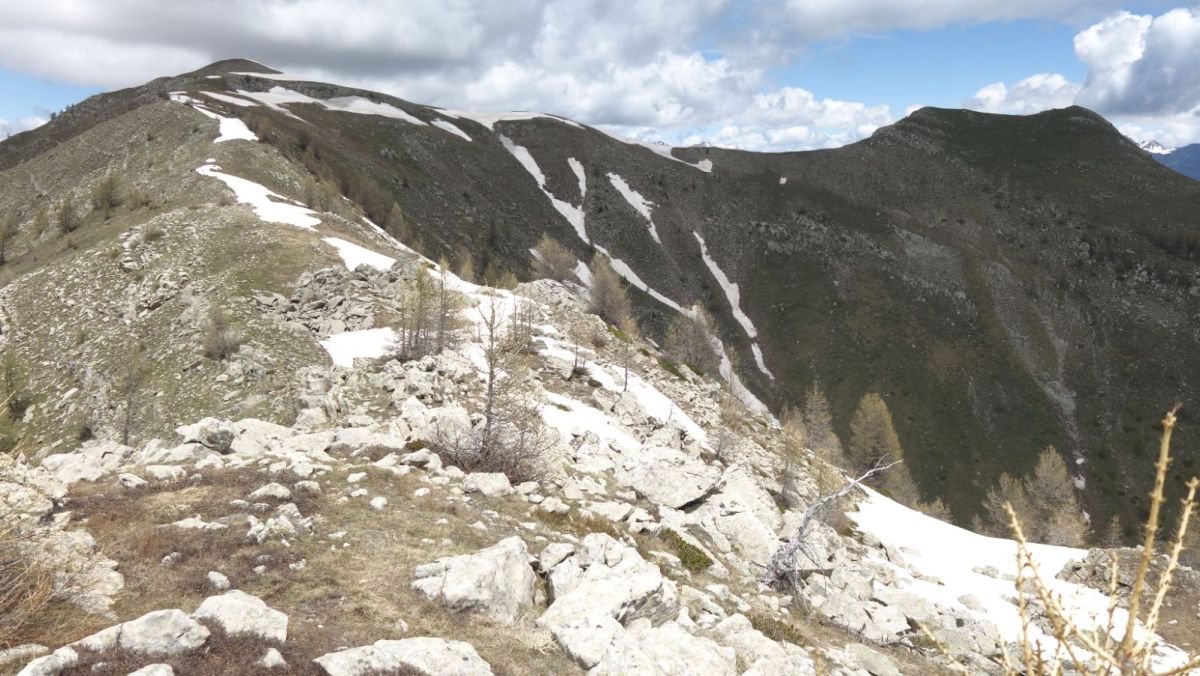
x=497 y=581
x=240 y=613
x=432 y=656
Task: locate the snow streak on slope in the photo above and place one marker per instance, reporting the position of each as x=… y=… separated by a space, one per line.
x=344 y=348
x=732 y=293
x=665 y=151
x=354 y=255
x=259 y=197
x=758 y=361
x=736 y=385
x=952 y=555
x=621 y=268
x=449 y=126
x=572 y=213
x=489 y=120
x=634 y=198
x=577 y=167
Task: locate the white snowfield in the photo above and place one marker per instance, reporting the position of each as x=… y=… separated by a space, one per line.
x=573 y=214
x=232 y=100
x=259 y=198
x=354 y=255
x=229 y=128
x=953 y=555
x=344 y=348
x=277 y=97
x=634 y=198
x=577 y=167
x=449 y=126
x=489 y=120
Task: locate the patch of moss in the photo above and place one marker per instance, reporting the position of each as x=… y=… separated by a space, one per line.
x=692 y=557
x=670 y=367
x=776 y=629
x=618 y=334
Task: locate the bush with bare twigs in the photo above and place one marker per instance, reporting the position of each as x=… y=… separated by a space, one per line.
x=221 y=339
x=511 y=437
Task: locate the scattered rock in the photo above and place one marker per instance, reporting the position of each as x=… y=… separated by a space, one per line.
x=432 y=656
x=497 y=581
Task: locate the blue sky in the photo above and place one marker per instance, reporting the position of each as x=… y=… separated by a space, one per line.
x=757 y=74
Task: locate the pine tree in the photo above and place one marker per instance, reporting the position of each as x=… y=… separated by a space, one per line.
x=397 y=225
x=8 y=231
x=608 y=298
x=818 y=425
x=1061 y=516
x=1114 y=533
x=68 y=217
x=552 y=260
x=689 y=340
x=107 y=195
x=1044 y=501
x=41 y=222
x=872 y=438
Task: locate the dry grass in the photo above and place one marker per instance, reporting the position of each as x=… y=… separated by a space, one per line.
x=1117 y=645
x=335 y=596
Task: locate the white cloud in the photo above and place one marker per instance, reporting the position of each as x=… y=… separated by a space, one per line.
x=823 y=19
x=10 y=127
x=634 y=65
x=1034 y=93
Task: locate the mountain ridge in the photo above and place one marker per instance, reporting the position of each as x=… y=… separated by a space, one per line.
x=942 y=224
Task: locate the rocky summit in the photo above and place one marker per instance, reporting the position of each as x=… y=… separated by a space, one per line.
x=287 y=394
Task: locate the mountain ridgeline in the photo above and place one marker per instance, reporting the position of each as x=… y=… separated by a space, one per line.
x=1005 y=283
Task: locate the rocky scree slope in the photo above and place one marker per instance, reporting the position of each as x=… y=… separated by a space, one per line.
x=343 y=545
x=1005 y=282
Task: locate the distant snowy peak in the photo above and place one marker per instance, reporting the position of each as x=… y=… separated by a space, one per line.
x=1154 y=147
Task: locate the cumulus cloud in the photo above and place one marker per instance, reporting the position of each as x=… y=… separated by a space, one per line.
x=10 y=127
x=675 y=71
x=824 y=19
x=1033 y=94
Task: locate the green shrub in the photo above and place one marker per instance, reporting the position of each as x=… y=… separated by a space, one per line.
x=693 y=558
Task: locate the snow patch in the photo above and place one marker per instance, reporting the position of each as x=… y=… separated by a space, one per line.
x=952 y=555
x=732 y=293
x=226 y=98
x=621 y=268
x=354 y=255
x=229 y=128
x=634 y=198
x=365 y=106
x=573 y=418
x=783 y=180
x=758 y=361
x=489 y=120
x=449 y=126
x=736 y=385
x=283 y=77
x=572 y=213
x=577 y=167
x=664 y=150
x=344 y=348
x=259 y=198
